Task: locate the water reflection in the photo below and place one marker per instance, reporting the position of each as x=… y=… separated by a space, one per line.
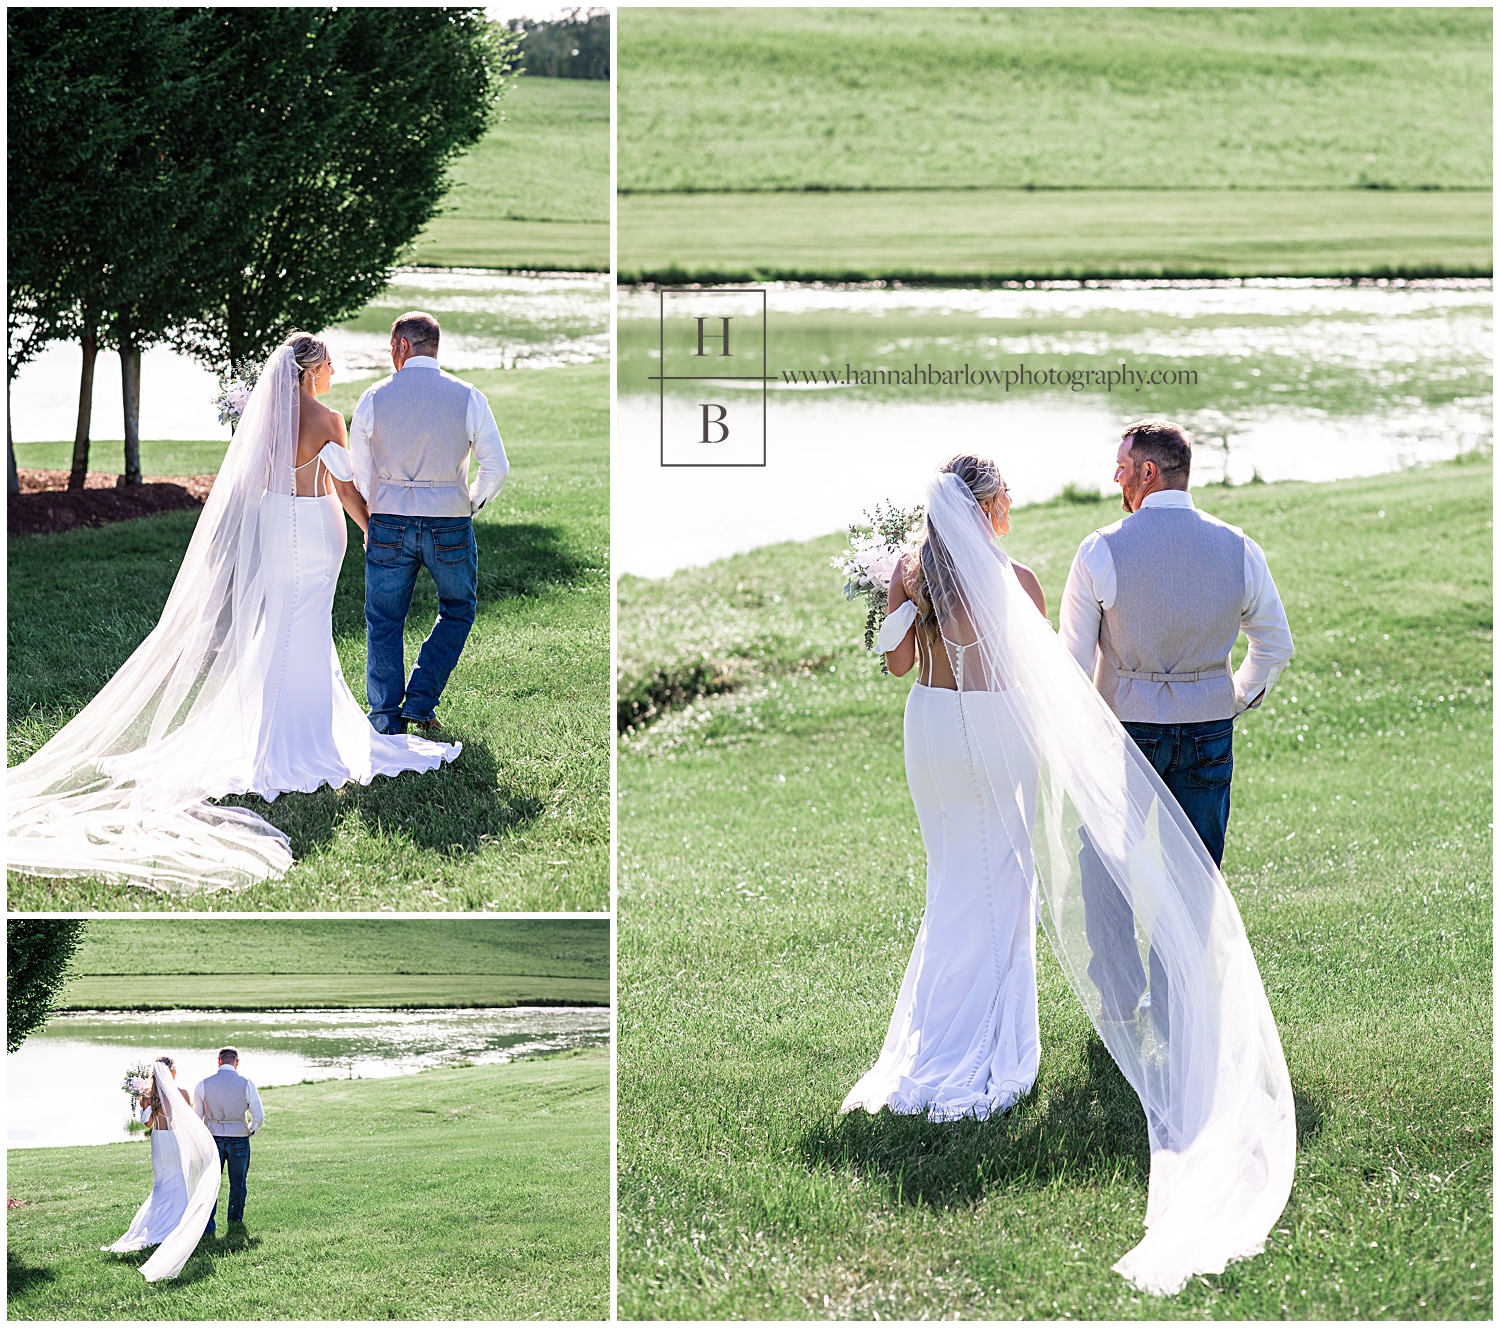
x=1288 y=380
x=64 y=1082
x=491 y=320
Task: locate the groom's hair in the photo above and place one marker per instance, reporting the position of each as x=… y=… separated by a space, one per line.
x=1167 y=444
x=420 y=329
x=229 y=1054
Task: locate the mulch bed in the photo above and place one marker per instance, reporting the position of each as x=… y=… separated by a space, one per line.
x=45 y=502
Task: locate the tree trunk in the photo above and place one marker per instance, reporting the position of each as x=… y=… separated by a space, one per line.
x=13 y=484
x=130 y=387
x=85 y=412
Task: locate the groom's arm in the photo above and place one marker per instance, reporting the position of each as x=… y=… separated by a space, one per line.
x=257 y=1112
x=1263 y=620
x=489 y=451
x=363 y=422
x=1090 y=590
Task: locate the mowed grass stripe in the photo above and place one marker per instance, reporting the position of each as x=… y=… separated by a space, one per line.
x=352 y=947
x=269 y=991
x=476 y=1193
x=967 y=235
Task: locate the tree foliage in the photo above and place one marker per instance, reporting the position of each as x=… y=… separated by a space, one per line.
x=575 y=46
x=339 y=126
x=37 y=954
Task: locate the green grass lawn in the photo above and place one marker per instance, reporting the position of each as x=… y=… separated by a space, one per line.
x=521 y=819
x=456 y=1194
x=273 y=963
x=1213 y=101
x=534 y=192
x=772 y=880
x=962 y=236
x=275 y=991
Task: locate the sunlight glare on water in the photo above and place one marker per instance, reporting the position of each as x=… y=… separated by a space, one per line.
x=65 y=1081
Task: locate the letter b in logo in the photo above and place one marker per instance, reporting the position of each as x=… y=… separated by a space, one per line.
x=714 y=422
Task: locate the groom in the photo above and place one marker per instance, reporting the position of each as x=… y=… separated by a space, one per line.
x=223 y=1101
x=410 y=442
x=1152 y=609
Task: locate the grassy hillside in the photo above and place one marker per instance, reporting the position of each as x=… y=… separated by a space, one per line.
x=521 y=820
x=750 y=99
x=560 y=947
x=258 y=964
x=534 y=192
x=958 y=237
x=456 y=1194
x=1235 y=107
x=772 y=880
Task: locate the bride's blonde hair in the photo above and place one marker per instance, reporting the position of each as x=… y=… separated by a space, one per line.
x=308 y=352
x=932 y=566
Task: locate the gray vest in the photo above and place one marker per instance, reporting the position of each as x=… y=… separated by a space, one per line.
x=419 y=444
x=1164 y=644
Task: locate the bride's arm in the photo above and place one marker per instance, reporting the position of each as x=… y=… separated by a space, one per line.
x=349 y=495
x=1031 y=586
x=900 y=660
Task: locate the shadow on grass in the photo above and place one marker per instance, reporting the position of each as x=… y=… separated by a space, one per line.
x=451 y=811
x=212 y=1250
x=21 y=1278
x=516 y=561
x=1089 y=1130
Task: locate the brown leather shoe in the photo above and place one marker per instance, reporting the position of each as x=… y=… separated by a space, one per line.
x=422 y=725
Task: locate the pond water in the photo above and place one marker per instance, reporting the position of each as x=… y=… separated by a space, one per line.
x=490 y=320
x=1278 y=379
x=64 y=1082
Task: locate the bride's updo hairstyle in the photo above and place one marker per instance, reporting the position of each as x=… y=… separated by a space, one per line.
x=308 y=352
x=984 y=481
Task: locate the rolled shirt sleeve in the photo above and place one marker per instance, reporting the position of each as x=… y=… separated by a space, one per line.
x=489 y=450
x=1089 y=591
x=1263 y=620
x=257 y=1112
x=359 y=444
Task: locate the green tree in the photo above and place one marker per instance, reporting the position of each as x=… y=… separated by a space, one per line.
x=574 y=46
x=108 y=186
x=38 y=952
x=346 y=121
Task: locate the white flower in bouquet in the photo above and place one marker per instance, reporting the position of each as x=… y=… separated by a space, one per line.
x=871 y=560
x=138 y=1078
x=234 y=394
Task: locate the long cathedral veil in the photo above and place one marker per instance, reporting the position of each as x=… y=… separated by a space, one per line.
x=200 y=1172
x=122 y=791
x=1105 y=834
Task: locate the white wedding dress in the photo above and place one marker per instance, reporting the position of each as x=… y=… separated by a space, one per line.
x=236 y=690
x=1016 y=776
x=964 y=1038
x=184 y=1187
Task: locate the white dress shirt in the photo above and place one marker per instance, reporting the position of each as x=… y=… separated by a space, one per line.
x=483 y=434
x=222 y=1102
x=1091 y=590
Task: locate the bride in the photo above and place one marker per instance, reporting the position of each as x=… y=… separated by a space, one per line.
x=1018 y=768
x=184 y=1179
x=237 y=689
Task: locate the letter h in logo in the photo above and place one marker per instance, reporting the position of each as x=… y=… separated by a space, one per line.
x=712 y=377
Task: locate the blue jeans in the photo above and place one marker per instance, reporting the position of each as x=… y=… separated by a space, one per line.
x=399 y=545
x=1196 y=763
x=234 y=1156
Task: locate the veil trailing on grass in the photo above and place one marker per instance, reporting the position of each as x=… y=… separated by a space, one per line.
x=1126 y=884
x=200 y=1171
x=123 y=791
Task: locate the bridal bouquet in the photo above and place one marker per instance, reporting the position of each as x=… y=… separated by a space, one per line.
x=234 y=393
x=138 y=1078
x=870 y=562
